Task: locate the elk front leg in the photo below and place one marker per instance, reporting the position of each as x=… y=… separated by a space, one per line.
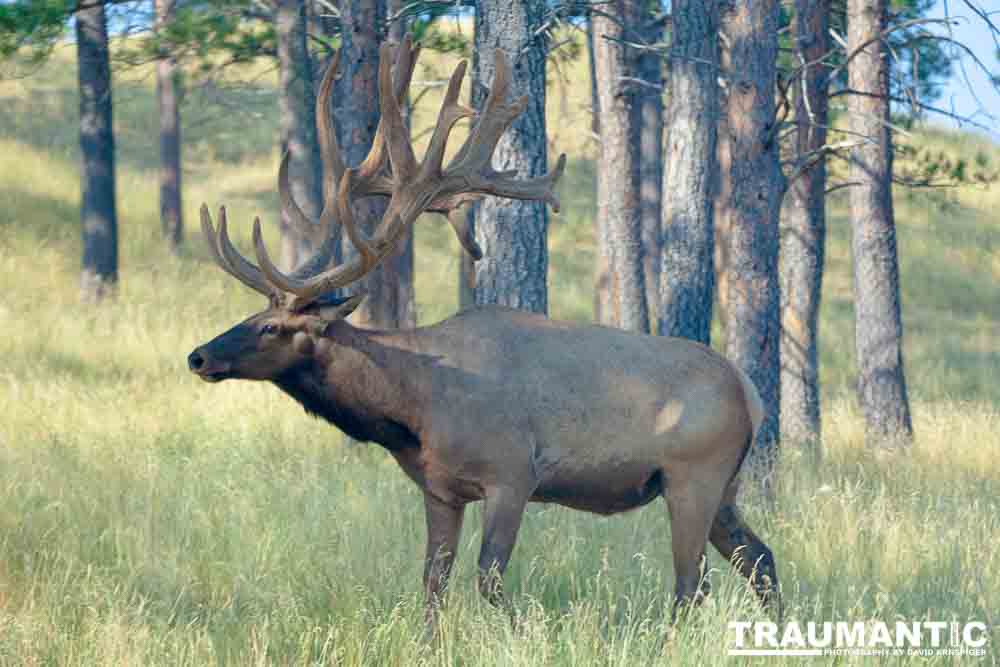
x=501 y=521
x=444 y=524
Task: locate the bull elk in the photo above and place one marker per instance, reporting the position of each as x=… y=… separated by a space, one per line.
x=493 y=404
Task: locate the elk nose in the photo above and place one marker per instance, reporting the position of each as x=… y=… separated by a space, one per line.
x=195 y=361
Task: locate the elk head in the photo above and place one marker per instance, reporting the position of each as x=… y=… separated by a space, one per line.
x=303 y=304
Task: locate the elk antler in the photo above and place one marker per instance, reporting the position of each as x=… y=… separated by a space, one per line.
x=228 y=257
x=391 y=169
x=372 y=182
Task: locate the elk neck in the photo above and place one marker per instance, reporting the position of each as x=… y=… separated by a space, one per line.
x=360 y=381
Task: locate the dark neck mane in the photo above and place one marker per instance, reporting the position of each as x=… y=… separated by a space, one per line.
x=307 y=385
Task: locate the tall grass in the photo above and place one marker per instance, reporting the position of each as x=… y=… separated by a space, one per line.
x=147 y=518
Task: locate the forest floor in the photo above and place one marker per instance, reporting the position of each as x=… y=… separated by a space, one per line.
x=148 y=518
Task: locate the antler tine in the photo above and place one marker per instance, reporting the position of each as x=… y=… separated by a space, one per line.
x=333 y=165
x=243 y=270
x=459 y=219
x=391 y=141
x=371 y=252
x=493 y=120
x=306 y=290
x=470 y=173
x=274 y=275
x=391 y=169
x=333 y=161
x=208 y=231
x=451 y=112
x=502 y=184
x=304 y=227
x=345 y=212
x=414 y=195
x=227 y=257
x=396 y=134
x=406 y=61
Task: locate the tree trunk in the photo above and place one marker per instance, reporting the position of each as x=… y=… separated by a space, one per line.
x=97 y=146
x=723 y=193
x=398 y=295
x=601 y=260
x=804 y=236
x=513 y=234
x=757 y=186
x=688 y=281
x=322 y=14
x=878 y=326
x=467 y=268
x=618 y=170
x=167 y=99
x=296 y=101
x=650 y=128
x=390 y=285
x=466 y=265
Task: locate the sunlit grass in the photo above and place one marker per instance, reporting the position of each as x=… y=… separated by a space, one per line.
x=148 y=518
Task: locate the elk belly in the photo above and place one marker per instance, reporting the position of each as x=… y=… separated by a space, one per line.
x=603 y=491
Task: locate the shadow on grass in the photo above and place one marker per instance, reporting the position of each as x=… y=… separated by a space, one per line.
x=238 y=124
x=944 y=352
x=56 y=364
x=40 y=219
x=930 y=225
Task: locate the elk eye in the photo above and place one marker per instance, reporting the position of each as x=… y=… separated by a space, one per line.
x=269 y=329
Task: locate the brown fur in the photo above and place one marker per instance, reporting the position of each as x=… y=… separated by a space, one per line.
x=509 y=407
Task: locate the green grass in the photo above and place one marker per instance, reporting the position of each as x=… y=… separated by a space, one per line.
x=147 y=518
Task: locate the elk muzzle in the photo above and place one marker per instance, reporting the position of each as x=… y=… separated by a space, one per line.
x=201 y=364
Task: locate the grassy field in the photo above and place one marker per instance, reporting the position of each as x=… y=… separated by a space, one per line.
x=147 y=518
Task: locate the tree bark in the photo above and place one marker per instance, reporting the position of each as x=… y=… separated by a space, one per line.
x=723 y=194
x=878 y=325
x=97 y=146
x=399 y=295
x=513 y=234
x=167 y=99
x=467 y=268
x=618 y=171
x=296 y=101
x=601 y=260
x=650 y=128
x=390 y=285
x=803 y=235
x=687 y=285
x=322 y=14
x=757 y=186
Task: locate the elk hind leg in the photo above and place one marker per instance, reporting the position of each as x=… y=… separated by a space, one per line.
x=693 y=498
x=738 y=544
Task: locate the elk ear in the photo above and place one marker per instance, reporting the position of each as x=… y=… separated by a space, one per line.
x=339 y=311
x=303 y=343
